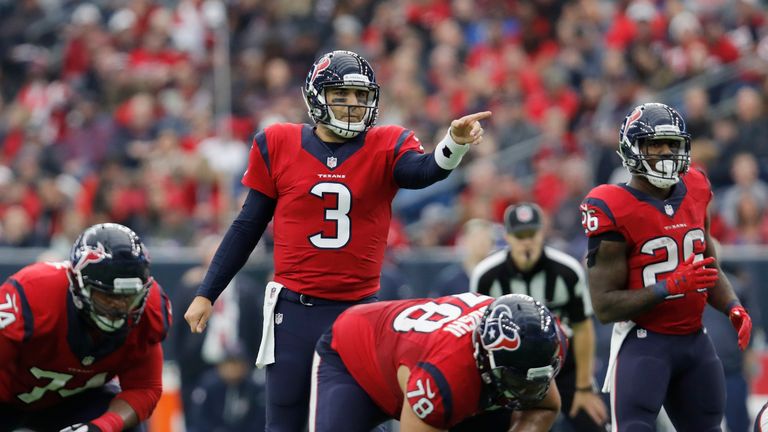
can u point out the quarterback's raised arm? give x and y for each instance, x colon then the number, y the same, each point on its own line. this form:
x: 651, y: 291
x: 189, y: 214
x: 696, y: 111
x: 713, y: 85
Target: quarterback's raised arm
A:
x: 463, y: 132
x: 414, y: 170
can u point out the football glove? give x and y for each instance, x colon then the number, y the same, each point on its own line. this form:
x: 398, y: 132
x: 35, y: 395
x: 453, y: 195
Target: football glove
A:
x: 742, y: 323
x: 691, y: 276
x: 82, y: 427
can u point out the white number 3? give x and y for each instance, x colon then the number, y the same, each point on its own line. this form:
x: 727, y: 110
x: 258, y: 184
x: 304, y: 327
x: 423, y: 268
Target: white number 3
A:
x: 339, y: 214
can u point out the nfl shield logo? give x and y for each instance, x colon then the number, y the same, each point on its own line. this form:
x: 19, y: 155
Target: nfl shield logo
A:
x: 669, y: 210
x: 331, y: 162
x: 278, y: 318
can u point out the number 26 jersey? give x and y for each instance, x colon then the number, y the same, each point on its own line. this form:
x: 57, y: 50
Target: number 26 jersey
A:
x: 660, y: 235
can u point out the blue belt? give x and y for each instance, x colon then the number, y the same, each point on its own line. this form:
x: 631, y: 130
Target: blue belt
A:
x: 293, y: 296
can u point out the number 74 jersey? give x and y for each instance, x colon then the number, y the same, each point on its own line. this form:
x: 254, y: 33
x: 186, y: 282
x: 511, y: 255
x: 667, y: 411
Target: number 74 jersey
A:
x: 333, y: 205
x: 660, y: 235
x: 49, y: 353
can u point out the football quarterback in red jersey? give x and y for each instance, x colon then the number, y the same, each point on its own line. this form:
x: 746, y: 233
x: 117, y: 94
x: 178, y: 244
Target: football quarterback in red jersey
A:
x: 68, y: 328
x: 432, y: 363
x: 652, y: 269
x: 329, y: 188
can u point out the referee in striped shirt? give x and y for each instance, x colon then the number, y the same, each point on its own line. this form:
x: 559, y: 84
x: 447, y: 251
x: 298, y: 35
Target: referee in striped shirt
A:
x: 557, y: 280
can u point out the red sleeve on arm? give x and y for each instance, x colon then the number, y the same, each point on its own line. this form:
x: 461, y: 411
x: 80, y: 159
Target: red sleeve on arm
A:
x: 407, y: 141
x: 597, y: 217
x: 429, y: 396
x: 142, y: 383
x: 258, y: 176
x: 13, y: 329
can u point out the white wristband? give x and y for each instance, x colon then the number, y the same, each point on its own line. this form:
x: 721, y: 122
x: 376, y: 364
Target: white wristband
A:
x: 448, y: 153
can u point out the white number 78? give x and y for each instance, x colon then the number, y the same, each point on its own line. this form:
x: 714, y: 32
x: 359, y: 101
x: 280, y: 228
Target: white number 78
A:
x: 424, y: 405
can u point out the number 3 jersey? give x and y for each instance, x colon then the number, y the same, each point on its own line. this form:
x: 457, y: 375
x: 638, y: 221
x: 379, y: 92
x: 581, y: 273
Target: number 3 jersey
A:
x: 48, y: 352
x: 660, y: 235
x: 333, y: 206
x: 432, y: 338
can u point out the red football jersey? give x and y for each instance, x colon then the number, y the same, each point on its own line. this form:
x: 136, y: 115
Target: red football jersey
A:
x: 44, y: 346
x: 333, y: 208
x: 660, y: 235
x: 432, y: 337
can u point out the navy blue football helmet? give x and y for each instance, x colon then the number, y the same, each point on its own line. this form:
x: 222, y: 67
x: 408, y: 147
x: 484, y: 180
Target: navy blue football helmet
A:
x: 110, y: 276
x: 341, y: 69
x: 519, y: 349
x: 654, y: 121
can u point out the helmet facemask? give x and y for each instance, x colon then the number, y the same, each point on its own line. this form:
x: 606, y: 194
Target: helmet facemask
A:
x: 662, y: 171
x: 518, y: 352
x: 526, y: 387
x: 644, y: 125
x: 514, y: 388
x: 346, y: 128
x: 109, y: 277
x: 341, y: 69
x: 113, y: 307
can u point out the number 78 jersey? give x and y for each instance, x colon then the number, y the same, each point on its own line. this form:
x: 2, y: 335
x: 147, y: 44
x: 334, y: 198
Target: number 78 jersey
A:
x: 432, y: 338
x: 660, y: 235
x: 333, y: 206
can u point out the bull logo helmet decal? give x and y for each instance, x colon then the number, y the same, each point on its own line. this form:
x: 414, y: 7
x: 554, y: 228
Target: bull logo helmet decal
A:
x: 500, y: 331
x: 91, y: 255
x: 633, y: 117
x: 321, y: 66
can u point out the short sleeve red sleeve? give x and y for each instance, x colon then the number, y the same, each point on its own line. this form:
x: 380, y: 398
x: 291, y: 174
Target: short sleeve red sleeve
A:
x: 407, y: 142
x: 596, y: 217
x: 12, y: 307
x: 258, y: 176
x: 429, y: 395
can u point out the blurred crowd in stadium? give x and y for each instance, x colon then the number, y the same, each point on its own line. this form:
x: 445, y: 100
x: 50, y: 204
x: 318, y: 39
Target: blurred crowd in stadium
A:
x: 141, y: 112
x: 108, y: 109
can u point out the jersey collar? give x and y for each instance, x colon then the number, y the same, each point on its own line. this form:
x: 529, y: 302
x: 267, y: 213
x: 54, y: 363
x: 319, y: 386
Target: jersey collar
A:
x: 669, y: 206
x: 332, y: 155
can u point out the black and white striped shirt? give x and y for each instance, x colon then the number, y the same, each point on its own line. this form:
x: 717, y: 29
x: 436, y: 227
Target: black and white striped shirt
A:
x: 557, y: 280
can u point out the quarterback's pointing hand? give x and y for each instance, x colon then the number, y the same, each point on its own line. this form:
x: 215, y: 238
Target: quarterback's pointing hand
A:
x: 467, y: 130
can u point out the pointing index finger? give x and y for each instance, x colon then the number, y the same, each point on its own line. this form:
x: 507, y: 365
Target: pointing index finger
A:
x: 468, y: 119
